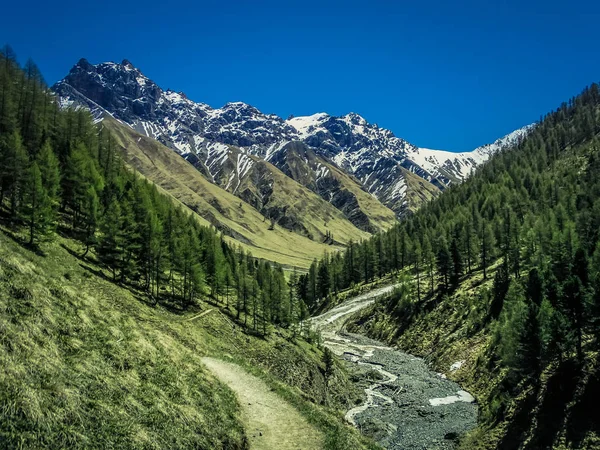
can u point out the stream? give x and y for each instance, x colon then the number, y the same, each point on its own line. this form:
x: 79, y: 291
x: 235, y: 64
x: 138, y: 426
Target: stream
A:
x: 408, y: 405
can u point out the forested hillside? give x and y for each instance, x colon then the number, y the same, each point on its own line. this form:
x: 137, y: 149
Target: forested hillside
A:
x: 239, y: 223
x: 504, y: 284
x: 60, y: 174
x: 111, y: 292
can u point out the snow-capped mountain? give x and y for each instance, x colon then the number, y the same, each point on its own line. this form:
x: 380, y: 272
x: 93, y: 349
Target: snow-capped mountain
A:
x: 221, y: 141
x: 457, y: 166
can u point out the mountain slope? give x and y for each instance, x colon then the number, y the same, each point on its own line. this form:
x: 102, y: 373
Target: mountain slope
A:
x: 301, y: 163
x: 379, y: 159
x: 456, y: 167
x: 86, y: 363
x: 110, y: 295
x: 235, y: 218
x: 505, y: 297
x: 208, y: 137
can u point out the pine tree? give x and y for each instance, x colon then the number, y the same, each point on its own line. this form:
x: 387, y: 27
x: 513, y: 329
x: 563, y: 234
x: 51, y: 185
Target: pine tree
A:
x: 110, y: 245
x: 487, y: 246
x: 500, y: 289
x: 457, y: 264
x: 80, y: 174
x: 156, y: 249
x: 444, y: 262
x: 429, y: 259
x: 313, y: 292
x: 470, y: 243
x: 323, y: 280
x: 328, y: 363
x: 517, y: 333
x: 8, y: 69
x: 90, y: 208
x: 593, y: 304
x: 14, y: 163
x: 50, y: 172
x: 575, y: 292
x: 36, y: 207
x: 534, y: 290
x: 418, y: 263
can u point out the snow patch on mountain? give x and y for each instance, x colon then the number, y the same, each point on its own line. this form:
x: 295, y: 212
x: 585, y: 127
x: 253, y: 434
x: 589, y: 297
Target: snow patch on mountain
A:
x: 211, y: 137
x: 461, y: 165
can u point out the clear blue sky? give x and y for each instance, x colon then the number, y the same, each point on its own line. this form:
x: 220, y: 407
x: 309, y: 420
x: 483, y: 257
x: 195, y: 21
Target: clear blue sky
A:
x: 442, y: 74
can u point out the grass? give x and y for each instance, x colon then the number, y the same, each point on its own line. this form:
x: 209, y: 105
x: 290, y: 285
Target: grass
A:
x: 314, y: 213
x: 419, y: 191
x: 241, y: 222
x: 86, y: 363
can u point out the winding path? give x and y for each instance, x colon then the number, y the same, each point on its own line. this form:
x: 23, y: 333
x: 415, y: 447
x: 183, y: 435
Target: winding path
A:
x: 271, y: 423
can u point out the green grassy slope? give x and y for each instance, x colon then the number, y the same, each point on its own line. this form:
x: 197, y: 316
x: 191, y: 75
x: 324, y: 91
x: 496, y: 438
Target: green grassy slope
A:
x: 86, y: 363
x: 226, y: 212
x: 314, y: 215
x: 286, y: 200
x: 303, y: 165
x: 419, y: 191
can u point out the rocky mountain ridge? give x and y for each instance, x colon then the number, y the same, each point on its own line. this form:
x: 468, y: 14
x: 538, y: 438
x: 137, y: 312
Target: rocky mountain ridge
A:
x: 224, y: 143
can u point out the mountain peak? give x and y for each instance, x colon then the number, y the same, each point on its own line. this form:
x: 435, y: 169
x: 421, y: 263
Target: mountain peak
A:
x: 82, y: 64
x: 355, y: 118
x: 373, y: 155
x: 127, y: 64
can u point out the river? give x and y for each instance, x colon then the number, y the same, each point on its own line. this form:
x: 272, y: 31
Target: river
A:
x: 408, y: 405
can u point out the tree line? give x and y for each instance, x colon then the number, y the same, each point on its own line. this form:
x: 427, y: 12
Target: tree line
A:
x: 61, y: 173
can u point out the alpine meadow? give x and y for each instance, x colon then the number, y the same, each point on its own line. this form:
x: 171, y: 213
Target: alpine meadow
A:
x: 180, y: 275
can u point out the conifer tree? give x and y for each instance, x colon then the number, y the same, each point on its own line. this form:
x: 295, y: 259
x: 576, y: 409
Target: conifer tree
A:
x: 470, y: 244
x: 13, y: 170
x: 444, y: 262
x: 593, y: 304
x: 323, y: 280
x: 457, y: 263
x: 80, y: 174
x: 487, y: 246
x: 429, y: 260
x: 418, y: 263
x: 500, y: 289
x: 312, y: 294
x: 110, y: 245
x: 518, y: 333
x: 36, y: 207
x: 90, y: 208
x: 50, y: 172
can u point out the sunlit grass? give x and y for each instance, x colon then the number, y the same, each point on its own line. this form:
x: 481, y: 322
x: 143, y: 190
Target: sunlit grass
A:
x: 86, y: 363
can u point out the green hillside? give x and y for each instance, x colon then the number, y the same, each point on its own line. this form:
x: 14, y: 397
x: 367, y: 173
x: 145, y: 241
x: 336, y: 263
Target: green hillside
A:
x: 302, y: 164
x: 235, y: 218
x: 501, y: 286
x: 111, y: 293
x: 87, y: 363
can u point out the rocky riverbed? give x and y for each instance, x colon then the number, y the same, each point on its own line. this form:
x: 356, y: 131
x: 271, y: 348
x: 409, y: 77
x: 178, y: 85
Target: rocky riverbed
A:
x: 407, y: 405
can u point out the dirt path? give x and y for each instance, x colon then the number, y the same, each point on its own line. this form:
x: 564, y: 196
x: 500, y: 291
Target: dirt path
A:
x: 271, y: 423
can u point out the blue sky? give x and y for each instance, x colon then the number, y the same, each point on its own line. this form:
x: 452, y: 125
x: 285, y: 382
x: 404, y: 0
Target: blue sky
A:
x: 441, y: 74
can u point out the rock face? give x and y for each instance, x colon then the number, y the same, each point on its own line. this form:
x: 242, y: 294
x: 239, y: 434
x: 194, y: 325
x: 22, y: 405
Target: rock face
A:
x: 301, y: 163
x: 222, y: 142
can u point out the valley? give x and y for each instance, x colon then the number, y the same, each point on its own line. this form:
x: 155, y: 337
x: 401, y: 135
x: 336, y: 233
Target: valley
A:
x: 178, y: 275
x: 408, y: 405
x: 326, y: 179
